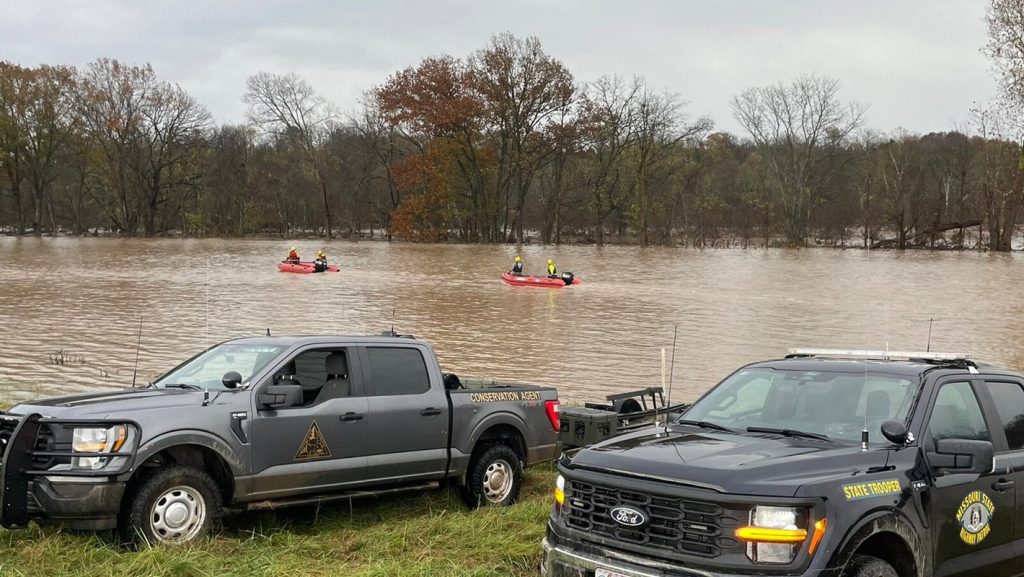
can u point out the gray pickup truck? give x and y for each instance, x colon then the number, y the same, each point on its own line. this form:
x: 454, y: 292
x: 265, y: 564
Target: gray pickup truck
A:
x: 268, y: 422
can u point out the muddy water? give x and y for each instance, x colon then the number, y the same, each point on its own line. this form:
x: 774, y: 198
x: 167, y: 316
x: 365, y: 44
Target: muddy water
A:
x: 70, y: 308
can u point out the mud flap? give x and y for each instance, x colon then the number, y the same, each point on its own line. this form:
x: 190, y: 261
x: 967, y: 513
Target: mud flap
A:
x: 13, y: 479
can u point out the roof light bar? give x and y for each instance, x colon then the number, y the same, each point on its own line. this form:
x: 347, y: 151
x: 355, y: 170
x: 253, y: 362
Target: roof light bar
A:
x: 882, y: 355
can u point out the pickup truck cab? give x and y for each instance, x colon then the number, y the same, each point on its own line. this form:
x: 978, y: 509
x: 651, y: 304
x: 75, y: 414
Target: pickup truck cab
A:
x: 268, y: 422
x: 830, y: 463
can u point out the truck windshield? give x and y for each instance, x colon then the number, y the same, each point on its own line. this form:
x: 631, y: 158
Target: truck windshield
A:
x: 207, y: 370
x: 836, y: 405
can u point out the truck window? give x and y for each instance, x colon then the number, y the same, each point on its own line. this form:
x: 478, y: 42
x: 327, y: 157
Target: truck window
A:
x: 397, y: 371
x: 322, y: 374
x: 208, y: 368
x: 957, y: 414
x: 1009, y: 401
x: 837, y: 405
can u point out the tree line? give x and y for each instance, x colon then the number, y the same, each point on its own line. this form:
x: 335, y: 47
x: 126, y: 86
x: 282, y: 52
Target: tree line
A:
x: 503, y: 145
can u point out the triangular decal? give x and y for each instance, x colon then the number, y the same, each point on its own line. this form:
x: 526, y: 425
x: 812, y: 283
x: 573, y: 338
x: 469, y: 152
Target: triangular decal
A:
x: 314, y: 446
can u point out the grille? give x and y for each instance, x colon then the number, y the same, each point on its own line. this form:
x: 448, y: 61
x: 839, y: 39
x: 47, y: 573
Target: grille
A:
x: 676, y: 525
x: 45, y: 441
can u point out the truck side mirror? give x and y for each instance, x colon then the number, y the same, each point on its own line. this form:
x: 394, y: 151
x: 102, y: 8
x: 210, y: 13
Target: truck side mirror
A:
x: 962, y: 456
x: 280, y: 396
x: 896, y: 432
x: 231, y: 379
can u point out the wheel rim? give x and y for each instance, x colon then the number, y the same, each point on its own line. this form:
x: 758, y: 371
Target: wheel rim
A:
x: 498, y: 481
x: 178, y: 515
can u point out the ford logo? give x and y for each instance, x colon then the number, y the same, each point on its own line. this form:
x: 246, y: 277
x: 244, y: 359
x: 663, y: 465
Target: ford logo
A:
x: 628, y: 516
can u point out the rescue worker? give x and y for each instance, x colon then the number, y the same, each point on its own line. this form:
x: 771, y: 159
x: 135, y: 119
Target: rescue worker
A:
x: 517, y: 266
x: 293, y: 256
x: 552, y: 271
x: 320, y: 263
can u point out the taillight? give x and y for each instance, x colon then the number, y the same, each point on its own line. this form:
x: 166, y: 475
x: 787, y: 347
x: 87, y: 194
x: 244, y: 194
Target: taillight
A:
x: 551, y: 407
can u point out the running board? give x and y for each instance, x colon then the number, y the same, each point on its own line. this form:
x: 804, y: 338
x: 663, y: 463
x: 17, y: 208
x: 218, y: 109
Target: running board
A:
x: 270, y: 505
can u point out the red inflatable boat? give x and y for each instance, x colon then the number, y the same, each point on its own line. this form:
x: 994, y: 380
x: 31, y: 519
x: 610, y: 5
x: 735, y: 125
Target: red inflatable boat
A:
x: 303, y: 267
x: 540, y: 281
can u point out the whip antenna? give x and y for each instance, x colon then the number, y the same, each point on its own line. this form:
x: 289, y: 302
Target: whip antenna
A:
x: 864, y: 435
x: 138, y: 345
x: 671, y: 372
x: 929, y: 348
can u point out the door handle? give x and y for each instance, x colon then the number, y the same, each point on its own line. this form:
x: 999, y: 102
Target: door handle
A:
x: 430, y: 412
x: 350, y: 416
x: 1002, y: 485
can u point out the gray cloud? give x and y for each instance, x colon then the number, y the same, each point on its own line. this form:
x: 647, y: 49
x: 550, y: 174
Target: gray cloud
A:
x: 916, y: 63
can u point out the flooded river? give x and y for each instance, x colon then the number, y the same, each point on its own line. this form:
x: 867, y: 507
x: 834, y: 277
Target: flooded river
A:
x: 70, y: 308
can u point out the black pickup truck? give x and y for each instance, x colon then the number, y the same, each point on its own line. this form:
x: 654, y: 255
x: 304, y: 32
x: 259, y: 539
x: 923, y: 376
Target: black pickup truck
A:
x: 269, y: 422
x: 825, y: 463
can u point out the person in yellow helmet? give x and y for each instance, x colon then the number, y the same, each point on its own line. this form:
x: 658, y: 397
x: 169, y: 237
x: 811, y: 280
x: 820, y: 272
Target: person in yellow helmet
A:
x: 320, y: 263
x: 293, y: 256
x: 517, y: 266
x: 552, y: 271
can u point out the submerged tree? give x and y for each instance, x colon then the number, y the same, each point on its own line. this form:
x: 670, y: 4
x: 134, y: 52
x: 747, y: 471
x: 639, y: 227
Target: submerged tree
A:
x: 286, y: 106
x: 800, y: 129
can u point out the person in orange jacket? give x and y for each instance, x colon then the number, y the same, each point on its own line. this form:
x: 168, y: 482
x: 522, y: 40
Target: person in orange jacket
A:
x: 293, y: 256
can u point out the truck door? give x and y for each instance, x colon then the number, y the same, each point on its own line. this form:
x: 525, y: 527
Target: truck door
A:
x: 1007, y: 396
x: 972, y: 517
x: 408, y: 435
x: 320, y: 444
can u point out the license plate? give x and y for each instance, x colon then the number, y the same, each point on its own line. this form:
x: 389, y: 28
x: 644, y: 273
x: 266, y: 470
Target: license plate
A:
x: 599, y: 572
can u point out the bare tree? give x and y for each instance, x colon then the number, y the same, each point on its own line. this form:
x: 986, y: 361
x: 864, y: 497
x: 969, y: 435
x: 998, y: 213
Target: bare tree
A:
x: 14, y: 106
x: 45, y: 127
x: 148, y: 133
x: 609, y: 130
x: 110, y: 104
x: 1005, y: 47
x: 524, y: 90
x: 660, y: 127
x: 287, y: 106
x: 799, y: 128
x: 1001, y: 190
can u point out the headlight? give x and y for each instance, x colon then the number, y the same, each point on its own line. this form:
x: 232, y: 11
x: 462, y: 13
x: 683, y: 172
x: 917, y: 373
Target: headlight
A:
x: 96, y: 440
x: 774, y: 534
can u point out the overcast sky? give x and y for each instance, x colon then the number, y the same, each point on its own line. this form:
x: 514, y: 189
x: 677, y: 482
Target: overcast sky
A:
x: 917, y: 64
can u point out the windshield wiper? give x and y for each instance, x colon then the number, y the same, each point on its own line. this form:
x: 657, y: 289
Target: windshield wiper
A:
x: 704, y: 425
x: 186, y: 386
x: 788, y: 433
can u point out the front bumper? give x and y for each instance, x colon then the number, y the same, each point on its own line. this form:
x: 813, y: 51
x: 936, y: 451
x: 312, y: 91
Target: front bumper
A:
x: 562, y: 561
x: 78, y: 503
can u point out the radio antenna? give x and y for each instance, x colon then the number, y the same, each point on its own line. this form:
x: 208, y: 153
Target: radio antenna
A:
x: 929, y: 348
x: 138, y: 346
x: 394, y: 305
x: 864, y: 435
x: 671, y: 373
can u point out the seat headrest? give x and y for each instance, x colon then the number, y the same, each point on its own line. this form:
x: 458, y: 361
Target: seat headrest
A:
x: 336, y: 364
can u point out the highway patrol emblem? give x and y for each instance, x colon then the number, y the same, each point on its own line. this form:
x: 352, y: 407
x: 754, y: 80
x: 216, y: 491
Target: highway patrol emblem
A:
x: 974, y: 516
x: 314, y: 446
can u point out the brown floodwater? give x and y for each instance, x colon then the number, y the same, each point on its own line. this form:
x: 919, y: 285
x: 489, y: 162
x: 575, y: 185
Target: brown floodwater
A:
x: 70, y: 308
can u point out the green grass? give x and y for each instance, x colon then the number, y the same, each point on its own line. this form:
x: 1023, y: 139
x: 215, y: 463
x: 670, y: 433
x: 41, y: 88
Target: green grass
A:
x: 424, y: 534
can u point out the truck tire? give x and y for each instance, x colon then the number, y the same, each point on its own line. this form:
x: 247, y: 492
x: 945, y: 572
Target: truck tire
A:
x: 867, y: 566
x: 173, y: 506
x: 494, y: 477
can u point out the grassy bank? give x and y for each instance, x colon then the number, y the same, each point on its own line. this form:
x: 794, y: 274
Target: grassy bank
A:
x: 425, y: 534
